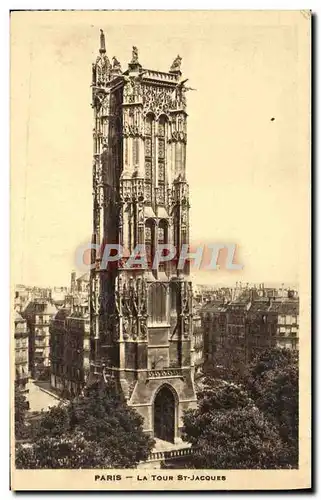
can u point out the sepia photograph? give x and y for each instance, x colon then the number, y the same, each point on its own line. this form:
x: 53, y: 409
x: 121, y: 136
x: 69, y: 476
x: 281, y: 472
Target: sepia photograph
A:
x: 160, y: 258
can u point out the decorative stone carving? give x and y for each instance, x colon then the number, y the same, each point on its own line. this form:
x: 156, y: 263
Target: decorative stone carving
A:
x: 132, y: 123
x: 161, y: 129
x: 158, y: 99
x: 134, y: 56
x: 186, y: 326
x: 130, y: 130
x: 161, y: 149
x: 141, y: 215
x: 148, y: 192
x: 125, y: 327
x: 166, y: 372
x: 134, y: 309
x: 184, y: 220
x: 148, y: 147
x: 148, y: 169
x: 186, y: 308
x: 105, y: 104
x: 160, y: 194
x: 102, y: 70
x: 125, y: 190
x: 161, y: 171
x: 98, y: 98
x: 176, y: 64
x: 100, y: 197
x: 178, y: 136
x: 116, y: 65
x: 138, y: 189
x: 132, y: 90
x: 143, y: 327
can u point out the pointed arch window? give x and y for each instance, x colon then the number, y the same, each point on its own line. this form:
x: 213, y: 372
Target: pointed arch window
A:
x: 149, y: 147
x: 163, y: 240
x: 150, y: 241
x: 161, y: 157
x: 157, y: 304
x: 178, y: 158
x: 136, y: 151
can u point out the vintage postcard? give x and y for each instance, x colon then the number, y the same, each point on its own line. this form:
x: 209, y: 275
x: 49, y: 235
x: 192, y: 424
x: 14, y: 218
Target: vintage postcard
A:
x: 160, y: 229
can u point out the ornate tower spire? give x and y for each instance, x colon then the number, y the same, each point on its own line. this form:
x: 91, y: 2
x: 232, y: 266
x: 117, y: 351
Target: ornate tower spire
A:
x: 141, y: 318
x: 101, y: 69
x: 102, y: 49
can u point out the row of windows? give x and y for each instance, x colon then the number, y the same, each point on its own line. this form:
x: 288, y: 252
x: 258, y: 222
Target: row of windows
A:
x: 155, y: 235
x: 43, y: 319
x: 150, y: 175
x: 150, y: 149
x: 67, y: 370
x: 288, y: 319
x: 21, y: 343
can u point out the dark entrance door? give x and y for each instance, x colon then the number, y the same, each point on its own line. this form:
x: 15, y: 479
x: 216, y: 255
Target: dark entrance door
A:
x: 164, y: 415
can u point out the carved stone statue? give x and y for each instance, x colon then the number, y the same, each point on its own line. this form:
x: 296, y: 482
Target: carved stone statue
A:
x: 116, y: 64
x: 125, y: 327
x: 176, y: 65
x: 143, y: 327
x: 134, y: 55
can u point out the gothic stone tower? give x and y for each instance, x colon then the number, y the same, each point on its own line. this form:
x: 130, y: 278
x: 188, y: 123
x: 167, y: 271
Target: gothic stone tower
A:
x: 141, y: 319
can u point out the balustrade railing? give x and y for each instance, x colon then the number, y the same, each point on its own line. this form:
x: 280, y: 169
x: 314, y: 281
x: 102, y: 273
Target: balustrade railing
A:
x: 165, y: 372
x: 164, y: 455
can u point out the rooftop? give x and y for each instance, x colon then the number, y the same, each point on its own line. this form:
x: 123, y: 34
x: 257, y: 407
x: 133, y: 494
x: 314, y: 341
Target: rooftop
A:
x: 84, y: 277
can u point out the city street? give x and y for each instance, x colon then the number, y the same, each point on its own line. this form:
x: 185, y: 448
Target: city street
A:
x: 40, y: 396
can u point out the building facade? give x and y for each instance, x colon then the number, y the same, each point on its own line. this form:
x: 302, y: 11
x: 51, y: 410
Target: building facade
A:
x: 286, y: 322
x: 38, y: 315
x: 142, y: 318
x: 214, y: 327
x: 237, y: 331
x: 21, y: 352
x: 69, y: 350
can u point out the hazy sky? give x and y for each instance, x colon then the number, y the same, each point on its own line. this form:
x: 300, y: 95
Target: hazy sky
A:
x: 243, y: 168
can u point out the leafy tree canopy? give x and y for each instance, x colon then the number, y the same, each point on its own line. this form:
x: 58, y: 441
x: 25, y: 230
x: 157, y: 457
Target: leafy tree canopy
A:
x: 273, y: 382
x: 101, y: 421
x: 64, y: 452
x: 228, y: 431
x: 21, y: 407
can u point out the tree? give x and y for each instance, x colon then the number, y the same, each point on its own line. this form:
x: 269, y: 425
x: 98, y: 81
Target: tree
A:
x: 99, y: 424
x: 55, y: 422
x: 227, y: 431
x: 21, y: 407
x: 228, y: 362
x: 64, y: 452
x: 273, y: 382
x: 105, y: 418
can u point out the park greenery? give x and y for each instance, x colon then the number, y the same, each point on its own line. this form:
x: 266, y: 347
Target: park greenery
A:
x: 95, y: 430
x: 249, y: 423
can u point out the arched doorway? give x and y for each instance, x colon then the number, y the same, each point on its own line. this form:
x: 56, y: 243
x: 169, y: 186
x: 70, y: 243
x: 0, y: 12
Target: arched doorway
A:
x: 164, y: 415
